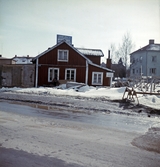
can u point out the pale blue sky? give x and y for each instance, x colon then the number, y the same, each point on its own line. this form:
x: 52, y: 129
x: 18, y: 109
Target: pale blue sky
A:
x: 28, y: 27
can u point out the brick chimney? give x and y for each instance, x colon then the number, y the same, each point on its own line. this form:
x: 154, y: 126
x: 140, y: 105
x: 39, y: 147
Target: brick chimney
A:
x: 151, y: 41
x: 108, y: 63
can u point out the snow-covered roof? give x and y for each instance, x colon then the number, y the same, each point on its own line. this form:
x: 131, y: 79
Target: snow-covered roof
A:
x: 23, y: 60
x: 150, y: 47
x: 91, y: 52
x: 155, y: 47
x: 4, y: 58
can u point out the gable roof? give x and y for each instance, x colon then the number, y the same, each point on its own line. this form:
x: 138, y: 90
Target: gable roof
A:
x: 150, y: 47
x: 91, y: 52
x: 53, y: 47
x: 75, y: 49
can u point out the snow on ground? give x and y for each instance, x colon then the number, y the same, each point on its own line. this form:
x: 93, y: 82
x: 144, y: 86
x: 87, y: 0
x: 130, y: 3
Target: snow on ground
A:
x: 107, y: 93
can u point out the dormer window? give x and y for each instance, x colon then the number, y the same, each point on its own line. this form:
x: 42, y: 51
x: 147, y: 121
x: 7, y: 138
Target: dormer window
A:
x: 63, y: 55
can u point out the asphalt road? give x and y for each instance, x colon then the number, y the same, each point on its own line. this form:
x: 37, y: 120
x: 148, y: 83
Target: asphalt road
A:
x: 39, y: 135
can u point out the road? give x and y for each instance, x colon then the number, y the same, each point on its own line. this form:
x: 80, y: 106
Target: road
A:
x: 45, y: 136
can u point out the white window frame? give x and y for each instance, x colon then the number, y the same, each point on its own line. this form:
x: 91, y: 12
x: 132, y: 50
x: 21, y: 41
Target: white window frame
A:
x: 63, y: 58
x: 97, y: 73
x: 70, y: 69
x: 50, y: 79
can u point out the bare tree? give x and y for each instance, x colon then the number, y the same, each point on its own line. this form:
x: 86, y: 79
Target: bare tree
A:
x: 125, y: 48
x: 123, y: 51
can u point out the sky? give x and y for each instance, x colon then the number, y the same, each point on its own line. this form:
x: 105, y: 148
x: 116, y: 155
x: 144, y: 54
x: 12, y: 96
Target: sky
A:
x: 29, y: 27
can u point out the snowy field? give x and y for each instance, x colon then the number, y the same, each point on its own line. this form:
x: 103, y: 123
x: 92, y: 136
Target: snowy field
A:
x: 64, y: 128
x: 88, y: 92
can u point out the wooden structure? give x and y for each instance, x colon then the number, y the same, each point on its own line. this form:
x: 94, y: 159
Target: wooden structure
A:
x: 14, y: 75
x: 4, y: 60
x: 67, y: 63
x: 131, y: 94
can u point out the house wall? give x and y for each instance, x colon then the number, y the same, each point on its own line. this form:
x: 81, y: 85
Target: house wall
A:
x: 143, y: 61
x: 17, y: 75
x: 106, y: 80
x: 51, y: 57
x: 138, y: 60
x: 95, y: 59
x: 49, y: 60
x: 43, y: 74
x: 75, y: 61
x: 152, y: 64
x: 6, y: 61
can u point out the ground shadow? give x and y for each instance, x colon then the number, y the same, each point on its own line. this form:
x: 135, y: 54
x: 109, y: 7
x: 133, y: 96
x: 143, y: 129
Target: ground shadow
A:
x: 13, y: 158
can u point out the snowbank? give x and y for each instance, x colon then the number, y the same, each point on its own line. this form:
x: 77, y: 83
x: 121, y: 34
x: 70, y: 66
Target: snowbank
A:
x: 88, y: 92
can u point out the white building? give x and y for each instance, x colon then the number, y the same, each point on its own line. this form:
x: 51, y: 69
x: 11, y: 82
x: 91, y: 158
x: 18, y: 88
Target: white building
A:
x: 146, y: 61
x: 23, y: 59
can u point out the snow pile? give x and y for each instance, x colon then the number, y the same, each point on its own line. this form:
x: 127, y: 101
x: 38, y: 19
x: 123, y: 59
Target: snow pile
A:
x: 152, y: 101
x: 87, y: 92
x: 149, y: 141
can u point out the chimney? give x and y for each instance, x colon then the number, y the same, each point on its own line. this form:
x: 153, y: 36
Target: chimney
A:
x: 108, y: 63
x: 15, y: 55
x: 151, y: 41
x: 27, y: 55
x: 0, y: 55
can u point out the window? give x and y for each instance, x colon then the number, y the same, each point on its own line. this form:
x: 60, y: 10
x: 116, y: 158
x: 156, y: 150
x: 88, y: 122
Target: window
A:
x: 137, y: 70
x: 133, y: 61
x: 52, y: 74
x: 63, y: 55
x: 152, y: 70
x: 133, y: 71
x: 154, y: 58
x: 70, y: 74
x: 97, y: 78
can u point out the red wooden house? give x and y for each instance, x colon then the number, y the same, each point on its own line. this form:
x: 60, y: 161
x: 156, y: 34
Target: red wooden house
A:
x: 67, y: 63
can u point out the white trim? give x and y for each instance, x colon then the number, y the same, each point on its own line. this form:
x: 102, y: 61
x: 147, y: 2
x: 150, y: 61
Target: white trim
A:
x: 53, y: 47
x: 86, y: 81
x: 62, y: 50
x: 70, y: 70
x: 96, y: 65
x: 109, y: 74
x: 97, y: 78
x: 51, y: 68
x: 36, y: 81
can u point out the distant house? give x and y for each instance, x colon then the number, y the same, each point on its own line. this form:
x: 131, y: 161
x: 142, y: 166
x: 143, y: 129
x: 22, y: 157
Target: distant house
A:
x: 67, y: 63
x: 146, y: 61
x: 119, y: 69
x: 22, y: 59
x: 4, y: 60
x: 12, y: 74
